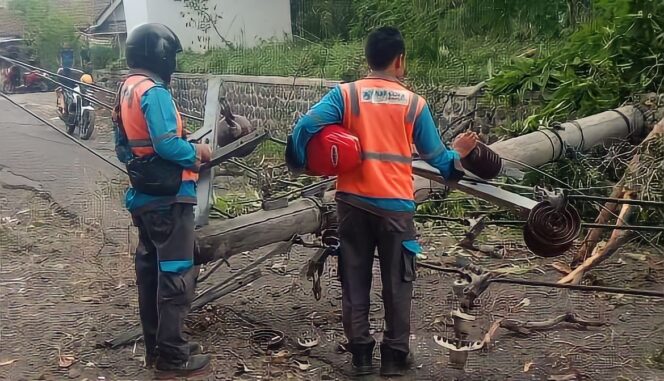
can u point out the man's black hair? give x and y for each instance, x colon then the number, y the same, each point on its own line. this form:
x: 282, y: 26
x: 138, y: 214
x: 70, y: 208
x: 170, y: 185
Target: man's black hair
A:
x: 383, y: 46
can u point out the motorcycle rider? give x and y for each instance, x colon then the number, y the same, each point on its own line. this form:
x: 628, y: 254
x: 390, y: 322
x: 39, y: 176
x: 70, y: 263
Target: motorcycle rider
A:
x: 150, y: 140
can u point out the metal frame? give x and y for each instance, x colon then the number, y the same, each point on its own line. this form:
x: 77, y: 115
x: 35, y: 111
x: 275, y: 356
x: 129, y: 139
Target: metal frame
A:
x: 208, y: 134
x: 520, y: 204
x: 204, y: 189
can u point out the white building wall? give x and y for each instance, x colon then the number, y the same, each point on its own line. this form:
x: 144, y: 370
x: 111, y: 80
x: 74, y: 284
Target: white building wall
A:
x: 244, y: 22
x: 136, y: 12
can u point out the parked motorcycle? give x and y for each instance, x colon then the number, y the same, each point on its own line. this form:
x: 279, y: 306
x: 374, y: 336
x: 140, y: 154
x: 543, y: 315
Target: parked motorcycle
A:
x: 33, y: 81
x: 75, y: 110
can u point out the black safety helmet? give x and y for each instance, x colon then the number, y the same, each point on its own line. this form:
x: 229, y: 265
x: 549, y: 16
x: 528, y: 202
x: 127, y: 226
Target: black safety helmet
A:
x: 153, y: 47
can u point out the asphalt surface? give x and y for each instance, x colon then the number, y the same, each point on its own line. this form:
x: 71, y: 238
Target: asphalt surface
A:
x: 44, y: 156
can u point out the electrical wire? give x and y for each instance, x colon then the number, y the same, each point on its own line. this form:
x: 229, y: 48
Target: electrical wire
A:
x: 571, y: 188
x: 535, y: 283
x: 73, y: 139
x: 31, y: 67
x: 466, y: 222
x: 92, y: 86
x: 657, y: 204
x: 580, y: 196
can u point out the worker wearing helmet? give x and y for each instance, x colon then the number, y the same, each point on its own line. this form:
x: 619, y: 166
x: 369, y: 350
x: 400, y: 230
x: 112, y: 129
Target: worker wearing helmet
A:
x: 375, y: 200
x: 87, y: 79
x: 162, y: 167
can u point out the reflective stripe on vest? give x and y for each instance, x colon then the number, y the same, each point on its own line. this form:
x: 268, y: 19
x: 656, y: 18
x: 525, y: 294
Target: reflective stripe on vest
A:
x: 382, y: 114
x: 134, y: 123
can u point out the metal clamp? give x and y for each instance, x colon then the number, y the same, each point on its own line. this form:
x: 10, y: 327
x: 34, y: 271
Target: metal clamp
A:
x: 476, y: 226
x: 273, y: 204
x: 556, y: 197
x: 316, y: 191
x: 316, y: 263
x: 472, y: 282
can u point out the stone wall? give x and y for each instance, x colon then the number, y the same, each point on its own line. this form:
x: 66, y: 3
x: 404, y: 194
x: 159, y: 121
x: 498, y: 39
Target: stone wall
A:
x: 189, y: 90
x: 271, y: 102
x: 276, y: 102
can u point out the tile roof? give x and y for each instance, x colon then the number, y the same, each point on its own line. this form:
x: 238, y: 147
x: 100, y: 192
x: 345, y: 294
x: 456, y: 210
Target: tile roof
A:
x: 84, y: 13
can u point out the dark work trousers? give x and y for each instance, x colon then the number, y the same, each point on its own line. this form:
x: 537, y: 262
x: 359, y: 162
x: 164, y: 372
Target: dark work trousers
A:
x: 164, y: 298
x: 361, y: 233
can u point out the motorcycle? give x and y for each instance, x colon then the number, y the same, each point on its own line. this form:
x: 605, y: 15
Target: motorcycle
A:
x: 76, y: 111
x: 32, y: 81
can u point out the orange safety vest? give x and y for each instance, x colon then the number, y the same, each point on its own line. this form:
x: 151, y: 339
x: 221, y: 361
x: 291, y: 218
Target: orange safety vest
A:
x: 381, y: 112
x: 134, y: 123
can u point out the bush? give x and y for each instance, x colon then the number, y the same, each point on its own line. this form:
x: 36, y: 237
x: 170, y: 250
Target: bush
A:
x: 102, y: 56
x: 47, y: 29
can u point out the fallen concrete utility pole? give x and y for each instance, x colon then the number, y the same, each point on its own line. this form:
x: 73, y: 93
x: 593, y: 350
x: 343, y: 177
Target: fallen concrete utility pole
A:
x: 549, y: 145
x: 221, y: 239
x: 225, y: 238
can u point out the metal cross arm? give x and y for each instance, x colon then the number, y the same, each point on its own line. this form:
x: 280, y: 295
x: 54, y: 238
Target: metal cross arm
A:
x: 199, y: 134
x: 488, y: 192
x: 228, y: 151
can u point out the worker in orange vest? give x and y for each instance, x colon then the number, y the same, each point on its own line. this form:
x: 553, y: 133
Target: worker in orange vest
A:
x: 162, y: 167
x: 375, y: 200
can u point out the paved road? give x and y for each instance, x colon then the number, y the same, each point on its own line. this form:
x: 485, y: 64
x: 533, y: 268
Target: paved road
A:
x: 36, y: 152
x: 65, y: 268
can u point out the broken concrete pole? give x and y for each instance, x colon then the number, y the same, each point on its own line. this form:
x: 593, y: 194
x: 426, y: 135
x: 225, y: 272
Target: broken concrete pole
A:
x: 549, y: 145
x: 225, y: 238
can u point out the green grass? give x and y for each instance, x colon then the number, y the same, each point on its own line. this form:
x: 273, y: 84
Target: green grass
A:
x: 468, y: 62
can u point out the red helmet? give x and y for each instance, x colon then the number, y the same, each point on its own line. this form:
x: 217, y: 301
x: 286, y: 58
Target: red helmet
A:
x: 333, y: 151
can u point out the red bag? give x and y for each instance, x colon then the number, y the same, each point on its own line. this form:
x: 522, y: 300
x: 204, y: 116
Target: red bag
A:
x: 333, y: 151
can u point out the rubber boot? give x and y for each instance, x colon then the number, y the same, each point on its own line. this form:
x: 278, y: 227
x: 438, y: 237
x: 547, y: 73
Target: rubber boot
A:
x: 362, y: 361
x: 197, y: 365
x: 395, y: 363
x: 194, y: 349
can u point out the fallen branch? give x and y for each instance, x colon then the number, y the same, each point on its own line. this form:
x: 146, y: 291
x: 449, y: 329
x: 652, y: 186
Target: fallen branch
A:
x: 618, y: 238
x: 594, y: 235
x: 583, y: 260
x: 526, y: 328
x: 565, y: 377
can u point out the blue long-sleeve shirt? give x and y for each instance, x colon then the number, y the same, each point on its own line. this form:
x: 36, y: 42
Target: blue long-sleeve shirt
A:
x: 330, y: 110
x: 160, y: 114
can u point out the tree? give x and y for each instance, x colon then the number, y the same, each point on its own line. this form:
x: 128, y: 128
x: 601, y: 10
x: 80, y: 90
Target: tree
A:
x: 201, y: 16
x: 47, y: 29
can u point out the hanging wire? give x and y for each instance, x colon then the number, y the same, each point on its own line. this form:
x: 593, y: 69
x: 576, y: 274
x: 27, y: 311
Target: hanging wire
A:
x: 92, y: 86
x: 600, y: 205
x: 580, y: 195
x: 536, y: 283
x: 73, y: 139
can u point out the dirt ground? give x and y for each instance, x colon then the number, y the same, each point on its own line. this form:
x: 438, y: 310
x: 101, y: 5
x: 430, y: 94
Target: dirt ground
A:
x: 68, y: 286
